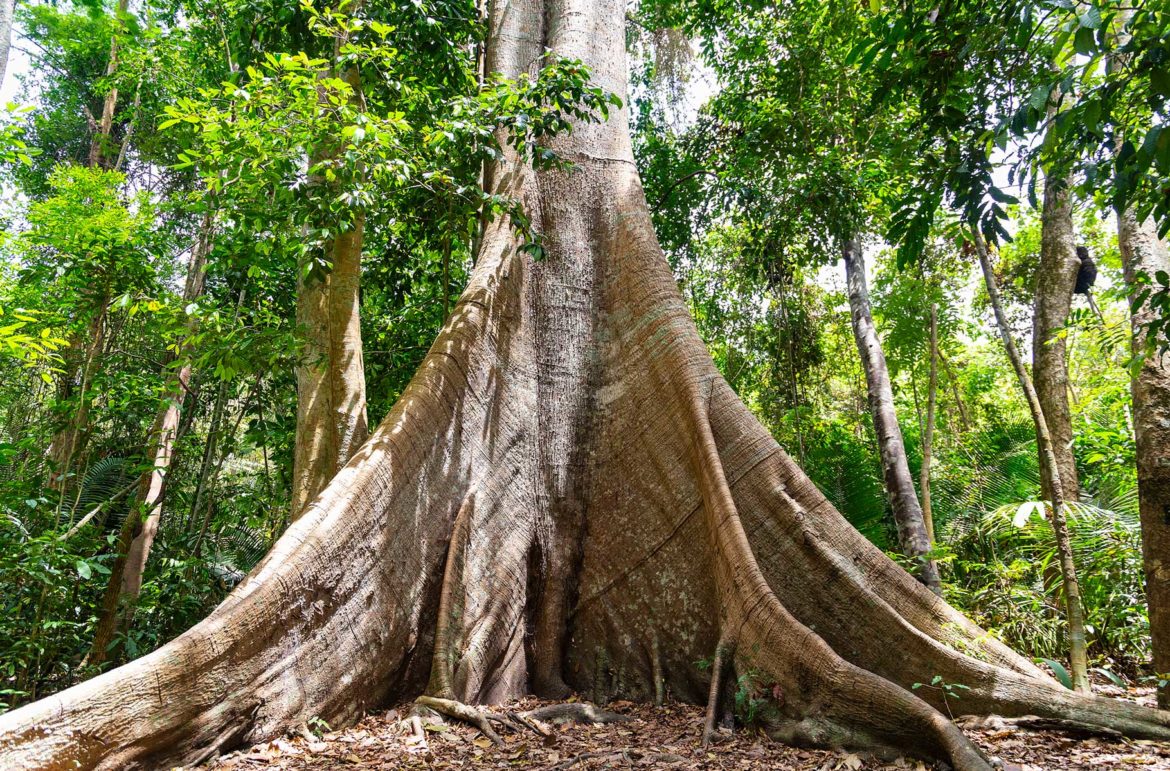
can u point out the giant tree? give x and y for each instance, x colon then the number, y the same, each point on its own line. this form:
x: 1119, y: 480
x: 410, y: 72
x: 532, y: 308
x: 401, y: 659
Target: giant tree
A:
x: 566, y: 495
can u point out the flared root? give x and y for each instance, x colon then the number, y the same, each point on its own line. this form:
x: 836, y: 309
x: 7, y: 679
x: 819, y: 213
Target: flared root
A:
x: 567, y: 495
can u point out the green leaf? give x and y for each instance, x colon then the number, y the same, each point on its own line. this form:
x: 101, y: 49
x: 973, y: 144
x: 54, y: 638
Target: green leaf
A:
x: 1083, y: 42
x: 83, y: 569
x: 1058, y: 669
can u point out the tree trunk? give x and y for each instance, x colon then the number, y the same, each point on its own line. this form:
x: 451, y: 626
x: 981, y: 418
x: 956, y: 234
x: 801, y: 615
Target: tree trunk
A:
x: 141, y: 527
x: 331, y: 384
x: 1078, y: 660
x: 928, y: 431
x: 913, y: 535
x: 1056, y: 275
x: 99, y: 146
x: 69, y: 441
x: 562, y: 391
x: 1143, y: 254
x: 7, y: 9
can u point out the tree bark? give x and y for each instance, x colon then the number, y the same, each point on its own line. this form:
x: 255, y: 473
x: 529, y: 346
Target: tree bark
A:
x: 331, y: 385
x: 913, y: 537
x: 1143, y: 254
x: 69, y: 440
x: 99, y: 145
x: 1078, y: 659
x: 572, y: 389
x: 1056, y: 275
x: 928, y: 431
x: 7, y: 10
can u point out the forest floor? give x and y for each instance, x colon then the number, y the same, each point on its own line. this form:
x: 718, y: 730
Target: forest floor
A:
x: 658, y: 737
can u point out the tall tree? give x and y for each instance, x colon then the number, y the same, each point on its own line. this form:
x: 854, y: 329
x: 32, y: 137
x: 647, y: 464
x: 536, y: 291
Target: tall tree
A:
x: 88, y: 346
x: 913, y: 536
x: 929, y: 423
x: 564, y: 391
x: 1143, y: 256
x: 1056, y: 276
x: 331, y: 382
x: 1074, y: 609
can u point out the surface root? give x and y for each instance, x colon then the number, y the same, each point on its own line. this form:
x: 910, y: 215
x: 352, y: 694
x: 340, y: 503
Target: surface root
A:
x: 1077, y: 728
x: 460, y: 711
x: 718, y: 668
x: 577, y: 712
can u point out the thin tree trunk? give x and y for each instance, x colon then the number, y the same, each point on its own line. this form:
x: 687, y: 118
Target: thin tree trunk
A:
x: 1056, y: 276
x: 1078, y: 659
x: 213, y: 481
x: 331, y: 385
x: 1143, y: 254
x: 65, y: 446
x: 99, y: 146
x: 7, y: 10
x: 964, y: 419
x: 913, y: 536
x: 152, y: 484
x: 928, y: 432
x: 69, y: 441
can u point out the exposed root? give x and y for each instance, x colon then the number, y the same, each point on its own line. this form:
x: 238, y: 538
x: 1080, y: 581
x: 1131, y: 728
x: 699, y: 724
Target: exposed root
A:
x: 441, y: 664
x: 577, y: 712
x: 852, y: 707
x: 1075, y: 728
x: 461, y: 711
x: 656, y: 672
x: 623, y: 754
x: 723, y: 652
x: 418, y: 732
x: 531, y: 725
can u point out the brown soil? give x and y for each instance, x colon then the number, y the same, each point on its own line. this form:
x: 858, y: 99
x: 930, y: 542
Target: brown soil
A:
x: 659, y: 737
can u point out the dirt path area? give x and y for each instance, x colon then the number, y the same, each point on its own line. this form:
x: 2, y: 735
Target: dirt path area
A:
x: 657, y: 737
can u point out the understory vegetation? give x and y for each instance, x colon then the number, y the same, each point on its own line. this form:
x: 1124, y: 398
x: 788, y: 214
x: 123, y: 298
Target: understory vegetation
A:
x: 153, y: 146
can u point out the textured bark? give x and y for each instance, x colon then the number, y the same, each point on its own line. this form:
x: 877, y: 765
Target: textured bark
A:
x: 1074, y: 610
x: 574, y: 390
x: 331, y: 382
x: 125, y: 581
x: 913, y: 537
x: 1143, y: 254
x: 7, y: 8
x: 1056, y: 276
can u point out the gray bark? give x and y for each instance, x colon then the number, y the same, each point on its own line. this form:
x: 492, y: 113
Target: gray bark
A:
x: 913, y: 536
x: 1056, y: 276
x: 7, y: 9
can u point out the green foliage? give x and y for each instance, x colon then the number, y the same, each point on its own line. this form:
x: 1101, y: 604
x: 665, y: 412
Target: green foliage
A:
x: 949, y: 691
